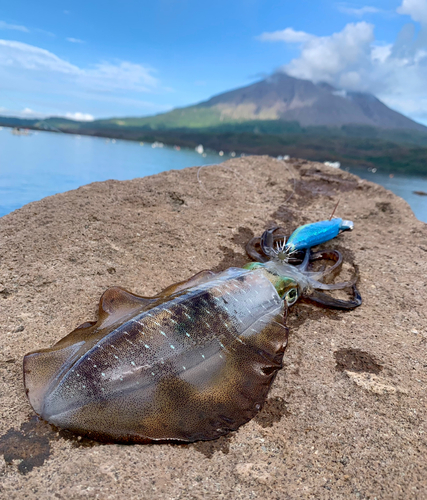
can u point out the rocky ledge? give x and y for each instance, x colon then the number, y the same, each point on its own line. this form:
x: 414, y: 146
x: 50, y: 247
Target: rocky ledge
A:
x: 346, y: 417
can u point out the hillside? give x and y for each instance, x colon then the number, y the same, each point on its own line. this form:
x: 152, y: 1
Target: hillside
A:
x: 276, y: 116
x: 280, y: 98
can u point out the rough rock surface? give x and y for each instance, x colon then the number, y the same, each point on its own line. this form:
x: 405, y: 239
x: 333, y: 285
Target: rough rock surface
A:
x: 346, y: 417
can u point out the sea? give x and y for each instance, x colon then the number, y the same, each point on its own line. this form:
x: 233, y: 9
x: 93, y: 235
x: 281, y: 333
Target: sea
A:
x: 41, y: 164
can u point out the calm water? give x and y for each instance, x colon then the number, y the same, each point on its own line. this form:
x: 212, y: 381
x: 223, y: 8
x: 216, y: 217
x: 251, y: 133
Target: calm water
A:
x: 403, y: 186
x: 43, y: 163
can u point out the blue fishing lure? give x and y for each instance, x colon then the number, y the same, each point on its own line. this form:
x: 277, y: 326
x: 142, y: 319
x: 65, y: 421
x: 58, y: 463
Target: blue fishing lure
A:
x: 311, y: 235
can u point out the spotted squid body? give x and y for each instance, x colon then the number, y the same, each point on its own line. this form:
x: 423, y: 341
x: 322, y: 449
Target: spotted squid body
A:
x: 191, y: 363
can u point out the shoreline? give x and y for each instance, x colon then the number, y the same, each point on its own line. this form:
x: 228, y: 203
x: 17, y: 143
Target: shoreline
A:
x: 399, y: 160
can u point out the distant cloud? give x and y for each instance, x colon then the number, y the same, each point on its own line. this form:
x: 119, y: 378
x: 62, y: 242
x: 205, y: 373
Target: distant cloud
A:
x: 16, y: 57
x: 121, y: 75
x: 74, y: 40
x: 335, y: 58
x: 28, y: 57
x: 352, y: 59
x: 380, y: 53
x: 28, y: 112
x: 16, y: 27
x: 53, y: 83
x: 288, y: 35
x: 81, y: 117
x: 358, y: 12
x: 24, y: 29
x: 44, y: 32
x: 417, y: 9
x: 23, y: 113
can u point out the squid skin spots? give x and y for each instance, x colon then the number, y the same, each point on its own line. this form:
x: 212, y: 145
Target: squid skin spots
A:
x: 195, y: 361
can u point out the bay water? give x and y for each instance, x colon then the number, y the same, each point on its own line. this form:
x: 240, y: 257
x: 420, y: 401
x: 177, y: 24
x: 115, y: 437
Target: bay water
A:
x: 44, y: 163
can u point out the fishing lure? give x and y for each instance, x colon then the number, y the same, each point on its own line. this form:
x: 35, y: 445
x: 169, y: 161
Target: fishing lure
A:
x: 304, y: 237
x: 191, y: 363
x: 311, y: 235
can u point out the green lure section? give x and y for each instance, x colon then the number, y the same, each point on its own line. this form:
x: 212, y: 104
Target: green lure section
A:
x: 282, y: 283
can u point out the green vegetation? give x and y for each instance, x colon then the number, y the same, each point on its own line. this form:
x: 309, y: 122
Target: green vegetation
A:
x: 402, y: 151
x: 193, y: 117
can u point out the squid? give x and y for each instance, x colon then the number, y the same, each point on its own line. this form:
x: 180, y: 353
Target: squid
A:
x: 193, y: 362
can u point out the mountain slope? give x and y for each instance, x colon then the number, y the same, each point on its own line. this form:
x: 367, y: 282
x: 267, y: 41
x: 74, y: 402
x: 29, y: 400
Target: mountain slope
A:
x: 279, y: 98
x: 283, y: 98
x: 277, y: 116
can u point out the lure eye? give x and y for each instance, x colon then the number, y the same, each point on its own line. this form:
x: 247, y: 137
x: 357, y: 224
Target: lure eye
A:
x: 291, y: 297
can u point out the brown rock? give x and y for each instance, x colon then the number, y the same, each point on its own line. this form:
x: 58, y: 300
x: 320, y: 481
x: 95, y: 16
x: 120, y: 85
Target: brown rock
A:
x: 346, y: 417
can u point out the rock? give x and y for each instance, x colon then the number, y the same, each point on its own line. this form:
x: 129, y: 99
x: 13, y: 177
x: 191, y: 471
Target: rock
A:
x: 374, y: 383
x: 346, y: 417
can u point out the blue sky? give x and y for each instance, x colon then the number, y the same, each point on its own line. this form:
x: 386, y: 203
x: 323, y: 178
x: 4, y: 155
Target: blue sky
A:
x: 133, y: 58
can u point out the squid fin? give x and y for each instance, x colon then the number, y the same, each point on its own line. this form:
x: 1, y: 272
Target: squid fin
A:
x: 195, y: 280
x: 116, y: 303
x: 44, y: 367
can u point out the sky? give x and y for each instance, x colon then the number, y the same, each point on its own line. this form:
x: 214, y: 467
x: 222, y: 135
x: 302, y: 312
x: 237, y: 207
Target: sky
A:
x: 98, y: 59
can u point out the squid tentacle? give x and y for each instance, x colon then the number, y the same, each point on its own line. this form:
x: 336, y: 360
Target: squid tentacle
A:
x: 252, y: 250
x: 317, y: 285
x: 333, y: 255
x: 328, y: 301
x: 298, y: 264
x: 316, y: 276
x: 267, y: 242
x: 304, y: 265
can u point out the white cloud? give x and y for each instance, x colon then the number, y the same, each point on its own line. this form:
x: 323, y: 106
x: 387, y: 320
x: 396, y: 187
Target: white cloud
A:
x: 353, y: 60
x: 18, y: 57
x: 80, y: 117
x: 358, y: 12
x: 288, y: 35
x: 28, y: 112
x: 23, y: 113
x: 74, y: 40
x: 21, y: 55
x: 45, y: 81
x: 417, y: 9
x: 381, y: 53
x: 16, y: 27
x: 120, y: 76
x: 339, y: 55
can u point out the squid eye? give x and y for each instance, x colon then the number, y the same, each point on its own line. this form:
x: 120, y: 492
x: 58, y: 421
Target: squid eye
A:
x: 291, y: 297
